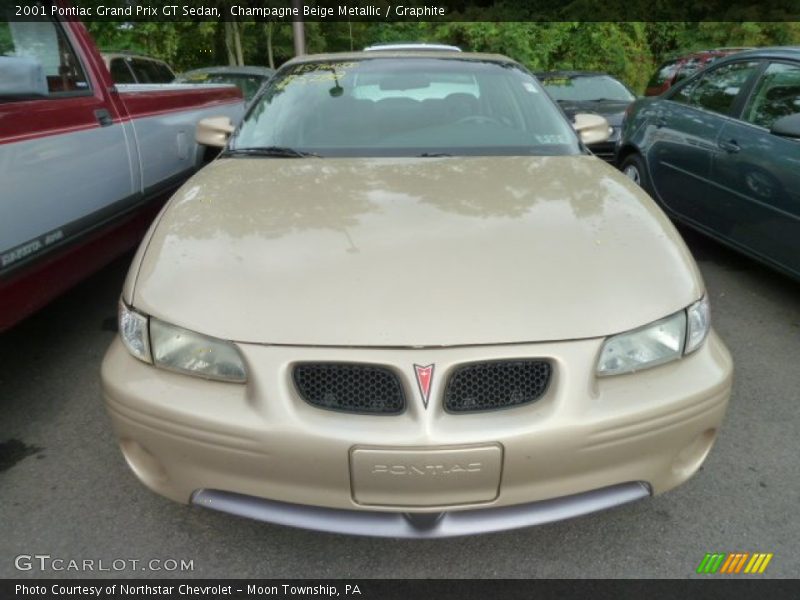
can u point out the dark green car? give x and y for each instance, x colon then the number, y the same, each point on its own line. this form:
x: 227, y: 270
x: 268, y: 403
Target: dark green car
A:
x: 721, y: 153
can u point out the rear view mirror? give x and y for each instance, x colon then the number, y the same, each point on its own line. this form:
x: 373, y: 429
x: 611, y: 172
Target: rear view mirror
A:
x: 592, y: 128
x: 214, y: 131
x: 22, y: 77
x: 787, y: 126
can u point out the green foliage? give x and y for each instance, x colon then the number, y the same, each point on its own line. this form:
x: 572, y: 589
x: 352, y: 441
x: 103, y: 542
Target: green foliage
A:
x: 6, y: 43
x: 712, y: 35
x: 628, y: 50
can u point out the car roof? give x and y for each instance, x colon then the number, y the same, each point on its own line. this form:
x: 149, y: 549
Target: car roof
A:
x: 232, y: 70
x: 384, y: 54
x: 702, y: 54
x: 569, y: 74
x: 790, y: 52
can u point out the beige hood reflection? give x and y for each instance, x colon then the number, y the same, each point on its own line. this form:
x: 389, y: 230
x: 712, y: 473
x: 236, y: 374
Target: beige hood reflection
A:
x: 413, y: 252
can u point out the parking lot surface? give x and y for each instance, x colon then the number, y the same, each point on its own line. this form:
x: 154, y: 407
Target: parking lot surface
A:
x: 65, y: 490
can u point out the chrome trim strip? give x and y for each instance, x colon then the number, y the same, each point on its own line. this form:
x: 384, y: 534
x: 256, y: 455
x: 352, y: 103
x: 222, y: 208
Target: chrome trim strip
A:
x: 401, y: 525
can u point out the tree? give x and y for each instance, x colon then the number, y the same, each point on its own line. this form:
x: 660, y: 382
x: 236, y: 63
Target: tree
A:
x: 628, y: 50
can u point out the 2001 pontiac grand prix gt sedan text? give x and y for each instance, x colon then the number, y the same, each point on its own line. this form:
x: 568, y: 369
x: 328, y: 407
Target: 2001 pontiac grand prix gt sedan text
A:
x: 406, y: 301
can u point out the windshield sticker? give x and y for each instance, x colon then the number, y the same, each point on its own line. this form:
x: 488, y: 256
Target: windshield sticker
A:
x: 543, y: 138
x: 316, y: 73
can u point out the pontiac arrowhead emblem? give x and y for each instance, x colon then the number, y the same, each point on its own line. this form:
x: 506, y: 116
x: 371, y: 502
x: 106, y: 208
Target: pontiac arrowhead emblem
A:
x: 424, y: 379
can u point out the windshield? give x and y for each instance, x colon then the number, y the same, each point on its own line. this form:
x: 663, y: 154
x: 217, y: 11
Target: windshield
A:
x: 586, y: 88
x: 406, y: 107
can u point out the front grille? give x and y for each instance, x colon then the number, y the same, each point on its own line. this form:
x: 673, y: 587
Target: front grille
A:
x: 497, y: 384
x: 353, y: 388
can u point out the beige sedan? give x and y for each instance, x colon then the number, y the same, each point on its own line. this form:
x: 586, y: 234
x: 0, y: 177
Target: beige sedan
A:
x: 406, y: 301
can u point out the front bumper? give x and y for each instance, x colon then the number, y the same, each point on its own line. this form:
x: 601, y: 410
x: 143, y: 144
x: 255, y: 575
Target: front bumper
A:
x: 261, y: 451
x: 414, y: 525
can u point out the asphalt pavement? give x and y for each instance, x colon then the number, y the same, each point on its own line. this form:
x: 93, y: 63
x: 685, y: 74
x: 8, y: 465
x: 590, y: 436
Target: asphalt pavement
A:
x: 66, y: 492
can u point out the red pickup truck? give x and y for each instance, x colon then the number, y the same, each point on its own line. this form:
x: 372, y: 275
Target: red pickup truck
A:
x: 84, y: 164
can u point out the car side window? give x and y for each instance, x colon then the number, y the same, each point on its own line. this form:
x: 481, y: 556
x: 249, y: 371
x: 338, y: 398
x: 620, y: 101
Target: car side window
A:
x: 689, y: 68
x: 683, y: 95
x: 776, y: 95
x: 46, y: 43
x: 163, y: 73
x: 140, y: 70
x: 717, y: 90
x: 665, y: 73
x: 120, y: 72
x: 150, y: 71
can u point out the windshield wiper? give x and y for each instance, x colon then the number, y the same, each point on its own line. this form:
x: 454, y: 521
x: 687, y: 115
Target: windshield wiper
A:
x: 274, y: 151
x: 433, y: 154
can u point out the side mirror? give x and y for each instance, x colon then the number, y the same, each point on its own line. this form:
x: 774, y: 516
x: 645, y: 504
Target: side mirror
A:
x: 787, y: 126
x: 591, y: 128
x: 214, y: 131
x: 22, y: 77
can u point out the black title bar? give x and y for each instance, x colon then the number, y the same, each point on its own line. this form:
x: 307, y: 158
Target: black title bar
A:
x: 708, y: 588
x: 405, y: 10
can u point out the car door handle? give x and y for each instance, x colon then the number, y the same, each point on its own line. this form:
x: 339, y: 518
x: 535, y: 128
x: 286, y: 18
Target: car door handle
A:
x: 730, y: 146
x: 660, y: 122
x: 103, y: 117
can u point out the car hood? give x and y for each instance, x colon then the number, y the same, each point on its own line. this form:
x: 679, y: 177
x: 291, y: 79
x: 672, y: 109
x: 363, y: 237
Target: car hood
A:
x: 412, y: 252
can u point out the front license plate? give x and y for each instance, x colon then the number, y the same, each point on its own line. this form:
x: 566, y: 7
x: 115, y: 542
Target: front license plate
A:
x: 426, y: 477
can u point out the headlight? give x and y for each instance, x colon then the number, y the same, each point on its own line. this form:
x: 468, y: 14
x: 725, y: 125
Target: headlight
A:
x: 133, y: 331
x: 188, y: 352
x: 176, y: 349
x: 655, y: 344
x: 649, y: 346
